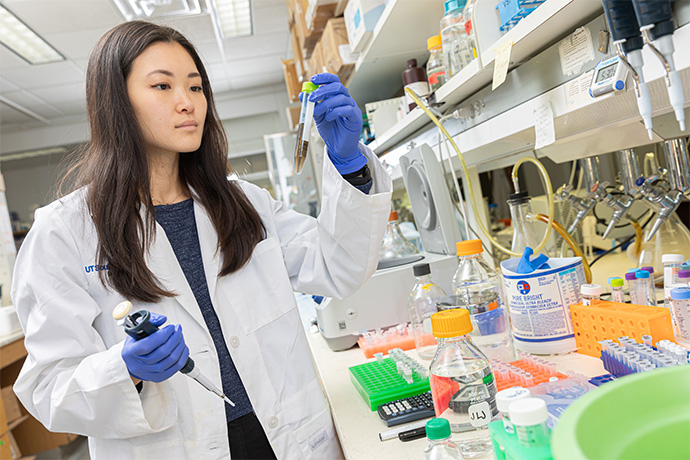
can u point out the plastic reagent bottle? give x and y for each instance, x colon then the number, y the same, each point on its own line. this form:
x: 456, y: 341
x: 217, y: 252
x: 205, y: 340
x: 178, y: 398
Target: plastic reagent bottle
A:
x: 469, y: 27
x: 505, y: 398
x: 415, y: 78
x: 394, y: 244
x: 435, y: 70
x: 440, y: 447
x: 462, y: 384
x: 422, y: 304
x: 617, y: 294
x: 456, y: 51
x: 306, y: 119
x: 529, y: 417
x: 591, y: 294
x: 680, y: 300
x: 523, y: 222
x: 645, y: 286
x: 478, y: 286
x: 632, y: 288
x: 672, y: 265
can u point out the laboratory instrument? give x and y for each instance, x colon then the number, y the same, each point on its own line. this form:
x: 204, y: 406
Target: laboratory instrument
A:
x: 591, y: 294
x: 407, y: 410
x: 622, y: 23
x: 680, y: 302
x: 645, y: 288
x: 456, y: 50
x: 529, y: 417
x: 476, y: 286
x: 505, y: 398
x: 138, y: 326
x: 435, y: 70
x: 655, y: 18
x: 394, y: 244
x: 633, y: 289
x: 422, y: 304
x: 415, y: 78
x: 440, y: 446
x: 462, y: 384
x: 306, y: 119
x: 523, y: 221
x: 609, y: 76
x: 617, y: 294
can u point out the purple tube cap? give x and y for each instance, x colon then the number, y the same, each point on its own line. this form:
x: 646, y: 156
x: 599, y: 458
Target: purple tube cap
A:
x: 684, y: 274
x: 631, y: 276
x: 648, y: 269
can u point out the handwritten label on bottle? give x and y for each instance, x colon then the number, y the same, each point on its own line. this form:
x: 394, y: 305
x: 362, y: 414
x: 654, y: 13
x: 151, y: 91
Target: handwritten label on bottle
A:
x: 480, y: 414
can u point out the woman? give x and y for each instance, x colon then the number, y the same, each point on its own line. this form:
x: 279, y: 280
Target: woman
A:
x: 155, y: 221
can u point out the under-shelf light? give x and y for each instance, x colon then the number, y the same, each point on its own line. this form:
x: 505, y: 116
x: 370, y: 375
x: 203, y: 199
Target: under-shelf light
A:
x: 24, y: 42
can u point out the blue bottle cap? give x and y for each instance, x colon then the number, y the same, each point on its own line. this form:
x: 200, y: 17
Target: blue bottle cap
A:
x: 641, y: 274
x: 682, y: 293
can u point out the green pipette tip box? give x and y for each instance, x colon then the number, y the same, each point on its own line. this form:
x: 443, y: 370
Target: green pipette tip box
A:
x: 378, y: 383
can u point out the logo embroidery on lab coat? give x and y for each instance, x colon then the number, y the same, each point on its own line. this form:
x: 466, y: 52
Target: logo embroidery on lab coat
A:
x: 317, y: 440
x: 95, y: 268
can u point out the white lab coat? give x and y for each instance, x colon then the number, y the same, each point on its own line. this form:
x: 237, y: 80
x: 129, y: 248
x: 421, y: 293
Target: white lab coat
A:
x: 74, y: 379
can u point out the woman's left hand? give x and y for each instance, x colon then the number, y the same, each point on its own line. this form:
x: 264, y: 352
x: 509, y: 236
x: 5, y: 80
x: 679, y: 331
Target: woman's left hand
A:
x: 339, y: 122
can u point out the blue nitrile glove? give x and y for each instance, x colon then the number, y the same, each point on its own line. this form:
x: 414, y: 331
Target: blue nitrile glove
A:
x: 159, y: 356
x: 528, y: 266
x: 339, y: 122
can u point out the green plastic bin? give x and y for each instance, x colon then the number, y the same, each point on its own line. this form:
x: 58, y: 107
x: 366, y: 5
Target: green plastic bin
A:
x: 640, y: 416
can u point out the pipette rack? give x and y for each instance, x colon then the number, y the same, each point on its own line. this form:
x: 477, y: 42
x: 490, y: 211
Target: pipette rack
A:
x: 526, y: 372
x: 378, y: 382
x: 609, y: 320
x: 382, y: 340
x: 629, y: 357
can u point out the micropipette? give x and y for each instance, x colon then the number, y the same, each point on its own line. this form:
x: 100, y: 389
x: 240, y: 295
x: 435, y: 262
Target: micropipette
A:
x: 138, y: 325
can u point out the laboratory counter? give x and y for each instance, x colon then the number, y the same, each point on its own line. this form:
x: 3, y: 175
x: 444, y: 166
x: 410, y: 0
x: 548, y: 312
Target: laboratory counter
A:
x: 358, y: 427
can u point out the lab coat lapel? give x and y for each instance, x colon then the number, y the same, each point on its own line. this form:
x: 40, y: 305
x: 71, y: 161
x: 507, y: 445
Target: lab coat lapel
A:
x: 208, y: 240
x: 165, y: 267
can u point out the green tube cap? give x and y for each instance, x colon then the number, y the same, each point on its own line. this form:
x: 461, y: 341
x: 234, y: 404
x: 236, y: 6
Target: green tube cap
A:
x: 616, y: 282
x: 308, y: 87
x: 437, y: 428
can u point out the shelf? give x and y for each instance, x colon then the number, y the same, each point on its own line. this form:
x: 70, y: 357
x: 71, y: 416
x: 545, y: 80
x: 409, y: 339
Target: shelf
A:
x: 399, y: 35
x: 468, y: 81
x: 15, y: 423
x: 550, y: 21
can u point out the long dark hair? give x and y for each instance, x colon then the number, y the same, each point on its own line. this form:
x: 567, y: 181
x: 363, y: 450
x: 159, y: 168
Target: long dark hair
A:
x: 114, y: 167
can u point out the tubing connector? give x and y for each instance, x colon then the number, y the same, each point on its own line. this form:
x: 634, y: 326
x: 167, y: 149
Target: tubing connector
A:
x: 583, y: 206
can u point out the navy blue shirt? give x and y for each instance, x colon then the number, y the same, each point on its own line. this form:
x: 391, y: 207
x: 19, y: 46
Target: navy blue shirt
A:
x: 180, y: 227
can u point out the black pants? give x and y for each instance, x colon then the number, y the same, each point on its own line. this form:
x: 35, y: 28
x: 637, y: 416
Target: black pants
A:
x: 248, y: 440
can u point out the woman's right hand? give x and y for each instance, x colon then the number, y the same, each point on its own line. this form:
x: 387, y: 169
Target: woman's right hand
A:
x: 159, y: 356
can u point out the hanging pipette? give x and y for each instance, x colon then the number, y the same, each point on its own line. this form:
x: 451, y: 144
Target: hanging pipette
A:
x: 655, y: 18
x: 306, y: 119
x: 138, y: 325
x: 620, y: 16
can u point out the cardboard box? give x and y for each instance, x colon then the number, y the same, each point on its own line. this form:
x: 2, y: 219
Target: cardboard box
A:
x: 13, y: 409
x: 293, y: 116
x: 292, y: 80
x: 317, y: 63
x: 337, y: 60
x: 361, y: 17
x: 310, y: 26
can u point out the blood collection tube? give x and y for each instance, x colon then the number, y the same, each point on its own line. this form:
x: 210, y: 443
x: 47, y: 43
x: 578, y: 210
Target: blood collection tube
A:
x: 617, y: 294
x: 591, y: 294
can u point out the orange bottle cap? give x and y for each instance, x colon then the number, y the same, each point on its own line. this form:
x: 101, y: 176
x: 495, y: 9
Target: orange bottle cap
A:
x: 433, y: 42
x: 393, y: 216
x: 469, y: 247
x: 451, y: 323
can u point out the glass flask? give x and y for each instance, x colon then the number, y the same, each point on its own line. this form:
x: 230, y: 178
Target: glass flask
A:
x: 394, y: 244
x: 524, y: 224
x: 462, y: 384
x: 673, y: 237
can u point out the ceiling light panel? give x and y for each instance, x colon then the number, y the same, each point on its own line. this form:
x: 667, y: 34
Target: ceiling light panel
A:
x: 142, y: 9
x: 235, y: 17
x: 24, y: 42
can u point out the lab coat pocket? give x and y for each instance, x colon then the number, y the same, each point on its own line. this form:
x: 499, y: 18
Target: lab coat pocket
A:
x: 316, y: 437
x: 260, y: 292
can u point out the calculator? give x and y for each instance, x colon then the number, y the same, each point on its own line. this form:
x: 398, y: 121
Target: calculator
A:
x: 407, y: 409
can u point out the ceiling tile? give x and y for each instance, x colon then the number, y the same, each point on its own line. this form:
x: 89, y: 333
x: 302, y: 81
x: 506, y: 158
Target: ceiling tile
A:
x: 34, y: 104
x: 9, y: 60
x: 51, y: 16
x: 76, y: 44
x: 30, y: 77
x: 10, y: 116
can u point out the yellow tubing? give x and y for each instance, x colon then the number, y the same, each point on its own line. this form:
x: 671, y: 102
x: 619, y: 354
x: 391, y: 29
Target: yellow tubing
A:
x: 571, y: 242
x: 542, y: 170
x: 638, y: 236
